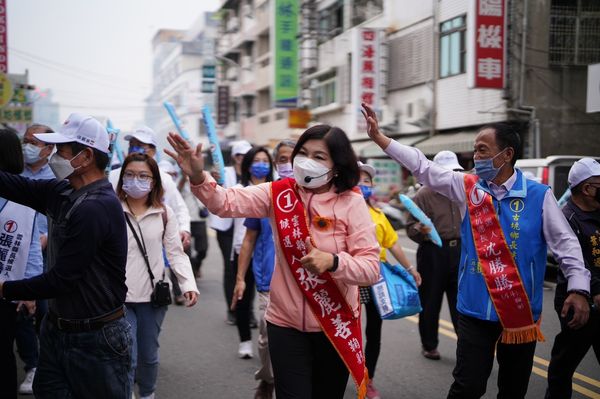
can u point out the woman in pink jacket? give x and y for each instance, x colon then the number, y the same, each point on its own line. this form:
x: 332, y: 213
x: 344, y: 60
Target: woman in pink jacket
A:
x: 325, y: 248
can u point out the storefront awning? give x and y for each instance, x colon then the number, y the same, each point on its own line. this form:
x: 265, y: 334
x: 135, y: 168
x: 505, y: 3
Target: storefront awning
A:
x: 455, y: 142
x: 368, y: 149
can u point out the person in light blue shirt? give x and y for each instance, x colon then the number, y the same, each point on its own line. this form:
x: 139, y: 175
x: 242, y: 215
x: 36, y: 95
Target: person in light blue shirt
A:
x: 35, y: 157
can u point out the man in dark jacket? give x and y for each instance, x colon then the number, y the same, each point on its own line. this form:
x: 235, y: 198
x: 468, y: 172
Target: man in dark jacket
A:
x: 85, y: 341
x: 583, y: 213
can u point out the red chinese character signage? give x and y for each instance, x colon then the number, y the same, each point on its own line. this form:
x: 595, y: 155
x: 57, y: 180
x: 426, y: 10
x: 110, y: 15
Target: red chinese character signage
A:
x: 489, y: 44
x: 3, y: 42
x: 367, y: 72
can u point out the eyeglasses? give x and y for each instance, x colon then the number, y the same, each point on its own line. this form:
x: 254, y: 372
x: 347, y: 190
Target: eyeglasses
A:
x: 140, y: 177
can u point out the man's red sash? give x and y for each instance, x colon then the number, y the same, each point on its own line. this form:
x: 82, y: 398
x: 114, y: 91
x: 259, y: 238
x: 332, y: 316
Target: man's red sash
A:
x: 325, y: 300
x: 499, y: 269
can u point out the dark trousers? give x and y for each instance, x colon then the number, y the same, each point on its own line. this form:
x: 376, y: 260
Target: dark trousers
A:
x: 77, y: 365
x: 225, y: 240
x: 8, y: 366
x: 26, y: 336
x: 477, y: 340
x: 439, y: 270
x: 305, y: 365
x: 570, y: 347
x: 373, y: 337
x: 200, y: 244
x: 244, y: 307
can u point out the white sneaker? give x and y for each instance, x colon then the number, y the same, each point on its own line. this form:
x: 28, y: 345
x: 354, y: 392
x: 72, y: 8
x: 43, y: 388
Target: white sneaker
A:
x: 26, y: 387
x: 245, y: 350
x: 151, y: 396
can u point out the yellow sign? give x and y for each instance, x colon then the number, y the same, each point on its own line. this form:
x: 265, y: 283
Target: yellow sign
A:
x: 21, y: 114
x: 6, y: 90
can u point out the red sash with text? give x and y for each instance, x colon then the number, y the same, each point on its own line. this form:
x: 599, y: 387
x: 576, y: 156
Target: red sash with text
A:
x: 325, y: 299
x: 499, y: 269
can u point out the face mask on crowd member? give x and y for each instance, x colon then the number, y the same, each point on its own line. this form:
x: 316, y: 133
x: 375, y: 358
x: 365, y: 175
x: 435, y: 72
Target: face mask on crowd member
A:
x: 137, y: 185
x: 260, y: 169
x: 285, y: 170
x: 61, y: 167
x: 366, y: 179
x: 142, y: 141
x: 310, y: 173
x: 31, y: 153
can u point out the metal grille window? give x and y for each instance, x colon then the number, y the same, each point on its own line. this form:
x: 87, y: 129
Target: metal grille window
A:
x: 574, y: 32
x: 453, y: 47
x: 323, y: 90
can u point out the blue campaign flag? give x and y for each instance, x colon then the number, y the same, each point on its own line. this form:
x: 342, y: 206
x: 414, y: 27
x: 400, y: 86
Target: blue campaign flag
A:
x: 215, y: 148
x: 171, y: 110
x: 421, y: 217
x: 113, y: 134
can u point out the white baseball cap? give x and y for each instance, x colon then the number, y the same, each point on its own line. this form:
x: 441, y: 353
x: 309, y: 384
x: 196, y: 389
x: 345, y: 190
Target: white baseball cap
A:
x: 81, y: 129
x: 143, y: 134
x: 448, y: 160
x: 583, y: 170
x: 367, y: 168
x: 240, y: 147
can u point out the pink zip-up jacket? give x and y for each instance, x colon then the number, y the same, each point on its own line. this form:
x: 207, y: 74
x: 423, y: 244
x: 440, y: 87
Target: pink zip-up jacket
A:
x: 350, y: 235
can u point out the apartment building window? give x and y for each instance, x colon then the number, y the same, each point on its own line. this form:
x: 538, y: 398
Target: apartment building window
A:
x: 453, y: 46
x: 323, y: 90
x: 574, y: 32
x: 331, y: 21
x: 363, y: 10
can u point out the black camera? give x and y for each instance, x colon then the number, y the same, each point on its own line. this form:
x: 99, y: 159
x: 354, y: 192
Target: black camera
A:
x: 161, y: 296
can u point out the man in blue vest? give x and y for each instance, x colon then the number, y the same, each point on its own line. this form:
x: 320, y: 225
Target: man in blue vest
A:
x: 530, y: 219
x: 583, y: 214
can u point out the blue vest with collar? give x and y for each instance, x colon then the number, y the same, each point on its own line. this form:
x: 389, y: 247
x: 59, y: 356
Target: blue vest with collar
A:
x: 520, y: 215
x: 263, y: 258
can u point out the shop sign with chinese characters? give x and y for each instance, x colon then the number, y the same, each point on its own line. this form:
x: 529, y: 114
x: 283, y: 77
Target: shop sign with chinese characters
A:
x: 487, y: 40
x: 367, y: 72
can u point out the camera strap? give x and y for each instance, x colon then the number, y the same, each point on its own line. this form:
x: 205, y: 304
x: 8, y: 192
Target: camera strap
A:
x: 142, y: 246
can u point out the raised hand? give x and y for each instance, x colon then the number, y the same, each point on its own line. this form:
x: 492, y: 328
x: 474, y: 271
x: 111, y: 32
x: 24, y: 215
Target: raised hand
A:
x: 373, y: 127
x: 316, y: 261
x: 189, y: 159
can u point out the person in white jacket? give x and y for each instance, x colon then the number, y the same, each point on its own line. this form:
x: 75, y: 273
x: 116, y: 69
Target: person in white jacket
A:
x: 151, y: 225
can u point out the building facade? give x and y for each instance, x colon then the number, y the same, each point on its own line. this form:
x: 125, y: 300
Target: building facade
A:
x: 415, y: 62
x: 183, y: 73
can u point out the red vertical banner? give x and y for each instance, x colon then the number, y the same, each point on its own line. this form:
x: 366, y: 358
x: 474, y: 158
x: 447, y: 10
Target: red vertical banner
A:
x: 489, y: 43
x: 3, y: 41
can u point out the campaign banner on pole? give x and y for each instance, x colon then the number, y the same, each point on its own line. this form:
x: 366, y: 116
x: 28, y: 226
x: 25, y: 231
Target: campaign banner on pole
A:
x: 285, y: 50
x: 487, y: 42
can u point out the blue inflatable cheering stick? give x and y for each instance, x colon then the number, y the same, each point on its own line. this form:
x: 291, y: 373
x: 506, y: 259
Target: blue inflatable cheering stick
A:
x: 422, y: 218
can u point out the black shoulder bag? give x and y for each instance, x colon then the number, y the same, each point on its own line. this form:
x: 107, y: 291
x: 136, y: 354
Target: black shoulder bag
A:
x: 161, y: 293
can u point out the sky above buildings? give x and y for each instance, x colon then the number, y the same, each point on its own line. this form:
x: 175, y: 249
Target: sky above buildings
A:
x: 95, y: 55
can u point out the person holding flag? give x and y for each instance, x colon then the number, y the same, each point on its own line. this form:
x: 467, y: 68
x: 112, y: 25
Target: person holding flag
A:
x: 507, y: 222
x: 325, y: 248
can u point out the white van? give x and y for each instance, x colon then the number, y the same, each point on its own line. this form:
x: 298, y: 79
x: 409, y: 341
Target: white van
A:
x: 552, y: 170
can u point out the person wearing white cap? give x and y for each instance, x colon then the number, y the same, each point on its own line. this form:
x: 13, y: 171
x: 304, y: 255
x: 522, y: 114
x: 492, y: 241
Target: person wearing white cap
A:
x: 582, y: 211
x: 143, y: 139
x: 508, y: 222
x: 85, y: 343
x: 438, y: 266
x: 224, y: 226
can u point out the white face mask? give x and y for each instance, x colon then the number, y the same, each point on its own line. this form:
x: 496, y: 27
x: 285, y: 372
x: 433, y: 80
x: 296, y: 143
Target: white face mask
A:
x: 31, y: 153
x: 310, y: 173
x: 61, y: 167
